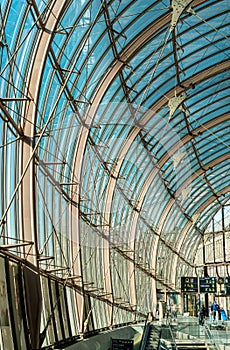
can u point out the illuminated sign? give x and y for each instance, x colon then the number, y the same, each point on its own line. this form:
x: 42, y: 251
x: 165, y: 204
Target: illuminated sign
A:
x: 208, y: 285
x: 189, y: 284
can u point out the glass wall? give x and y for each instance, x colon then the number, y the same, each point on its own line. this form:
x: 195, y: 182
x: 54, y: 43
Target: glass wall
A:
x: 58, y: 320
x: 54, y: 302
x: 6, y: 331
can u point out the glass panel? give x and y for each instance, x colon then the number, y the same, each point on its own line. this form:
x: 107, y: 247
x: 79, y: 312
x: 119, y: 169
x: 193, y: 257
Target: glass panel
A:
x: 47, y: 327
x: 63, y: 311
x: 71, y: 308
x: 55, y: 310
x: 16, y: 294
x: 6, y: 337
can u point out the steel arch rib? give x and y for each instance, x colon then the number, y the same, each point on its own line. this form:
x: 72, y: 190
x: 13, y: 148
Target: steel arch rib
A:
x: 34, y: 83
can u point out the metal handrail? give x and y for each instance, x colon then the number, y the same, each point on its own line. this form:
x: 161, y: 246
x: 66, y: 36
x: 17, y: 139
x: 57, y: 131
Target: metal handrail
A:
x: 172, y: 339
x: 210, y: 336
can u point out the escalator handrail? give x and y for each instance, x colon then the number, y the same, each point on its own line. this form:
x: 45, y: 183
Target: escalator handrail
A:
x: 211, y: 338
x: 145, y: 334
x: 173, y: 338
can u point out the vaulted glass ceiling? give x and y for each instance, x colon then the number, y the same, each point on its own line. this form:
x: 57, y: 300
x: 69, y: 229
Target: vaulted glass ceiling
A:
x: 115, y: 137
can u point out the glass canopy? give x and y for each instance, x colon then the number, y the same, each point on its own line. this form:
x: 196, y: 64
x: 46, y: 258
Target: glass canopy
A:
x: 115, y: 137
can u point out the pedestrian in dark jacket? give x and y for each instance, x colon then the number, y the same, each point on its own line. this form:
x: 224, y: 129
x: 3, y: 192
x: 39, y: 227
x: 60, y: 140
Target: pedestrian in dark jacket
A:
x: 202, y: 315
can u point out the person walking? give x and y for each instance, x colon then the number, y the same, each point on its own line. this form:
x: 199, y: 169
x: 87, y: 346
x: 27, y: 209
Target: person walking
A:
x: 168, y: 311
x: 214, y: 309
x: 202, y: 315
x: 174, y: 312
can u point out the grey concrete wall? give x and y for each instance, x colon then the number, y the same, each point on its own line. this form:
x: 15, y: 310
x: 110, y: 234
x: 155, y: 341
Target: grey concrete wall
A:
x: 104, y: 341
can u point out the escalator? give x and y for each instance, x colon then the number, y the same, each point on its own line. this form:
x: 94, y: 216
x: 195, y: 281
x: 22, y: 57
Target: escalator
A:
x: 165, y: 336
x: 162, y: 338
x: 153, y: 337
x: 169, y: 340
x: 191, y: 345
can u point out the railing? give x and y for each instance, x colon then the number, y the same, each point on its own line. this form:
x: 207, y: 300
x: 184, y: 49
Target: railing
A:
x: 172, y: 338
x: 168, y: 340
x: 211, y: 341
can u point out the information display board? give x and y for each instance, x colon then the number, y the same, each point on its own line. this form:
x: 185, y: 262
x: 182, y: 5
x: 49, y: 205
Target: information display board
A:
x: 122, y: 344
x: 208, y: 285
x: 189, y: 284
